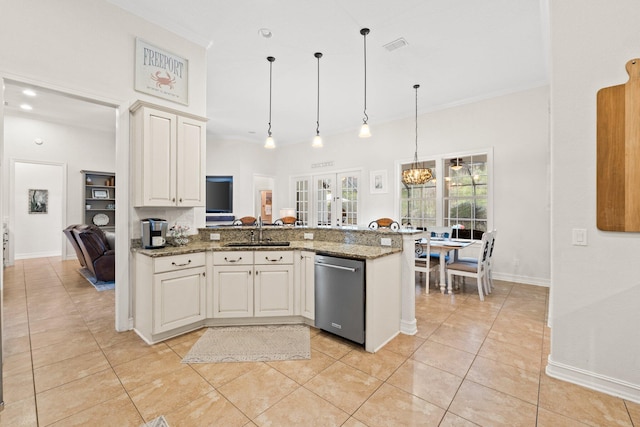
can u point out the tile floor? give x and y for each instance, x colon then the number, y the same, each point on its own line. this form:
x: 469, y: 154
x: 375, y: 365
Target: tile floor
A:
x: 471, y: 363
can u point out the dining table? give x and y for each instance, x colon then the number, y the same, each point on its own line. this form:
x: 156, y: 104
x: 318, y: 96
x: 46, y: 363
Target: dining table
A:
x: 442, y: 247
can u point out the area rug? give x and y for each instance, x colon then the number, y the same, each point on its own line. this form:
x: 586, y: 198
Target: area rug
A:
x: 157, y: 422
x: 251, y: 344
x: 98, y: 284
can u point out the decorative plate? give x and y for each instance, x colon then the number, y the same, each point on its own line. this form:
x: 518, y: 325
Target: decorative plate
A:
x: 100, y: 220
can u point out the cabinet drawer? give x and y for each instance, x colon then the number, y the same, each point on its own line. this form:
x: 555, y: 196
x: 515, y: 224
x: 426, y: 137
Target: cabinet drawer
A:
x: 179, y: 262
x: 274, y: 257
x: 233, y: 258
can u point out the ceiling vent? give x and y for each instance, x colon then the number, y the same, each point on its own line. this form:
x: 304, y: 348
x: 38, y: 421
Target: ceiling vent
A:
x: 396, y: 44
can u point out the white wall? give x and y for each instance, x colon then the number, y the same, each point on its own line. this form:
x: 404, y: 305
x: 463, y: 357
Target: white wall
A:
x: 77, y: 147
x: 242, y: 161
x: 86, y: 47
x: 35, y: 235
x: 516, y: 126
x: 595, y: 296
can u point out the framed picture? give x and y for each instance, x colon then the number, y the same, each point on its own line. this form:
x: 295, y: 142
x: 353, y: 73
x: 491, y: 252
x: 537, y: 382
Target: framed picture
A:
x: 99, y: 194
x: 38, y: 201
x: 378, y: 182
x: 161, y: 73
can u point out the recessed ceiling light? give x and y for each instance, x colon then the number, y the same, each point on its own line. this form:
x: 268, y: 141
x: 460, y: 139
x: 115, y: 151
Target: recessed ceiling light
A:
x: 29, y: 92
x: 265, y: 32
x: 26, y: 107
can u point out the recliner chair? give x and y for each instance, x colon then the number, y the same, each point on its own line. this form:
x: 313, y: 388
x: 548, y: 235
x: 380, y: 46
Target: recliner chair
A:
x: 95, y: 250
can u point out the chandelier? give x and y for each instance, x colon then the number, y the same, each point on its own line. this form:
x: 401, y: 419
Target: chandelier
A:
x: 418, y: 174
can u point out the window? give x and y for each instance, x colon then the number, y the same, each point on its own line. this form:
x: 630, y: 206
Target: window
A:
x: 465, y: 195
x: 460, y: 199
x: 418, y: 202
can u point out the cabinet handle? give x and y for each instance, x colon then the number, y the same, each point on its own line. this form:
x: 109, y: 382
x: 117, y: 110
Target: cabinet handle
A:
x: 181, y: 265
x: 232, y: 260
x: 173, y: 200
x: 180, y: 199
x: 273, y: 260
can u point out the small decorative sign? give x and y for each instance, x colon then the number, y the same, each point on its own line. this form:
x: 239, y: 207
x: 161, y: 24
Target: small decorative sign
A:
x: 38, y: 201
x: 161, y: 73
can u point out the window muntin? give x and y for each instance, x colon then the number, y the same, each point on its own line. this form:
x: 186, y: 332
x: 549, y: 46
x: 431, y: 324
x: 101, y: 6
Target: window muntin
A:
x: 465, y: 194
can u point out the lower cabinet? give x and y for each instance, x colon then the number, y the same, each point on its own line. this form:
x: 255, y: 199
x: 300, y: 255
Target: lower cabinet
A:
x: 170, y: 294
x: 252, y: 284
x: 306, y: 280
x: 178, y: 298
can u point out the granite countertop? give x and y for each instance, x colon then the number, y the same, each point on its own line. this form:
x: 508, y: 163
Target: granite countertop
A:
x: 327, y: 248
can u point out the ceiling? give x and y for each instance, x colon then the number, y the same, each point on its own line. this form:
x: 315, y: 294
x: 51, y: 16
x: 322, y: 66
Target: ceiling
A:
x: 459, y: 51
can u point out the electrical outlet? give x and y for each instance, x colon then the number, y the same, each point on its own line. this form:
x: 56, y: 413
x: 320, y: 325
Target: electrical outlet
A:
x: 214, y: 236
x: 385, y: 241
x: 308, y: 236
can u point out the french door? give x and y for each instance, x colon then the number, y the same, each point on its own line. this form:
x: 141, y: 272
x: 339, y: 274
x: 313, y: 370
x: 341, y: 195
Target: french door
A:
x: 327, y: 200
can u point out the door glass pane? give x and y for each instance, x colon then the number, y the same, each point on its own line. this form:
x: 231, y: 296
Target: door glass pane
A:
x: 302, y: 201
x: 349, y: 200
x: 324, y: 197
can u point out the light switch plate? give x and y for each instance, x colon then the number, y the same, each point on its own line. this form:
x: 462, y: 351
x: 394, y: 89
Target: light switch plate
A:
x: 214, y: 236
x: 579, y: 237
x: 308, y: 236
x: 385, y: 241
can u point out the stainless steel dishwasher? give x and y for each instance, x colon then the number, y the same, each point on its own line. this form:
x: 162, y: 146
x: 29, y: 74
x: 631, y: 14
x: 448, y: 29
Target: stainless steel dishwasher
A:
x: 340, y: 296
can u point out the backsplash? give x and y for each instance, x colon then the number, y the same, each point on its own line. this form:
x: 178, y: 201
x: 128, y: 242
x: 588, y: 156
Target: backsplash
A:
x: 287, y: 234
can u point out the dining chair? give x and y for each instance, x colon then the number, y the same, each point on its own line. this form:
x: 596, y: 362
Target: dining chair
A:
x: 477, y: 270
x: 440, y: 233
x: 423, y: 263
x: 492, y: 244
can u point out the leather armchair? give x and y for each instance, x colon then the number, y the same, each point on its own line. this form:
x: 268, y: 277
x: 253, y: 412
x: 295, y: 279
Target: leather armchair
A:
x: 98, y: 256
x: 72, y: 239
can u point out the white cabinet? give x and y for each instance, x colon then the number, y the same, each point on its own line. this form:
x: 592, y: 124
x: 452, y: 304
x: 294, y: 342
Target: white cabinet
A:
x: 232, y: 284
x: 248, y: 284
x: 306, y: 281
x: 273, y: 285
x: 170, y: 294
x: 169, y: 157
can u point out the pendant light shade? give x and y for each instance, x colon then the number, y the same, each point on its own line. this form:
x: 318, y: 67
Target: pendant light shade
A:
x: 365, y: 132
x: 317, y: 140
x: 456, y: 164
x: 270, y: 143
x: 418, y: 174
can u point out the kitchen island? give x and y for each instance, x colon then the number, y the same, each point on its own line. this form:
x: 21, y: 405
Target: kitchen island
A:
x: 221, y: 282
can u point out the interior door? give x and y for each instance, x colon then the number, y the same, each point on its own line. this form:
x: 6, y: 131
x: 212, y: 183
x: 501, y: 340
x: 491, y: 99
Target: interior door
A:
x: 336, y: 199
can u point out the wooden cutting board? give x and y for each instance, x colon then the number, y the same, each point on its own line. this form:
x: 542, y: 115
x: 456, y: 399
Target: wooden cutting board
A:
x: 618, y: 154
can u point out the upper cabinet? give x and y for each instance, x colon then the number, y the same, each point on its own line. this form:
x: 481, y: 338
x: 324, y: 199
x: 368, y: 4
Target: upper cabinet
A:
x: 168, y: 157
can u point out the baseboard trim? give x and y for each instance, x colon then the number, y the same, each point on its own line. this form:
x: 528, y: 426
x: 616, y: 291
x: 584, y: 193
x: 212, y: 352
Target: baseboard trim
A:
x: 525, y: 280
x: 593, y: 381
x: 409, y: 328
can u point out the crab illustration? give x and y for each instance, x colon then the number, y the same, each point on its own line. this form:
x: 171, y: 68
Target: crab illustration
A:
x: 163, y: 81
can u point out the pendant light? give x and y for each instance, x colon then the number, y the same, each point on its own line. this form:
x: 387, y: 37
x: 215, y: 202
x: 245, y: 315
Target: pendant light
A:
x: 317, y: 141
x: 457, y: 166
x: 269, y: 143
x: 365, y: 132
x: 418, y: 174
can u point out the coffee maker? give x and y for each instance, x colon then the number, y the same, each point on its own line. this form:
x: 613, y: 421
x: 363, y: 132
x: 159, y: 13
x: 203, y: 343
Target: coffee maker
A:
x: 154, y: 233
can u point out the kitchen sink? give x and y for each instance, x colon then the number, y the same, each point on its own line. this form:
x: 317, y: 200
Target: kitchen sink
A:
x: 253, y: 244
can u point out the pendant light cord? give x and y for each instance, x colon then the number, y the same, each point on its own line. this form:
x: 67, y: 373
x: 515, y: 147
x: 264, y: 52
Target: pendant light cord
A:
x: 270, y: 59
x: 364, y: 32
x: 318, y: 55
x: 416, y: 153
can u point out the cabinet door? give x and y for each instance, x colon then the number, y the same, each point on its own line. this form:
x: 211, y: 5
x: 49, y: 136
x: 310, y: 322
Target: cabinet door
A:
x: 178, y: 298
x: 307, y: 289
x: 232, y: 291
x: 191, y: 159
x: 159, y: 158
x: 273, y: 290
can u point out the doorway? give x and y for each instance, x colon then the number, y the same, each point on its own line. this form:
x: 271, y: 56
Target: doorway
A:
x: 38, y: 195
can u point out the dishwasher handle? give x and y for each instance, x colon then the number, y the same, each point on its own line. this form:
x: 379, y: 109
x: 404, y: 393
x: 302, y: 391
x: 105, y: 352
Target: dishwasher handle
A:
x: 339, y: 267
